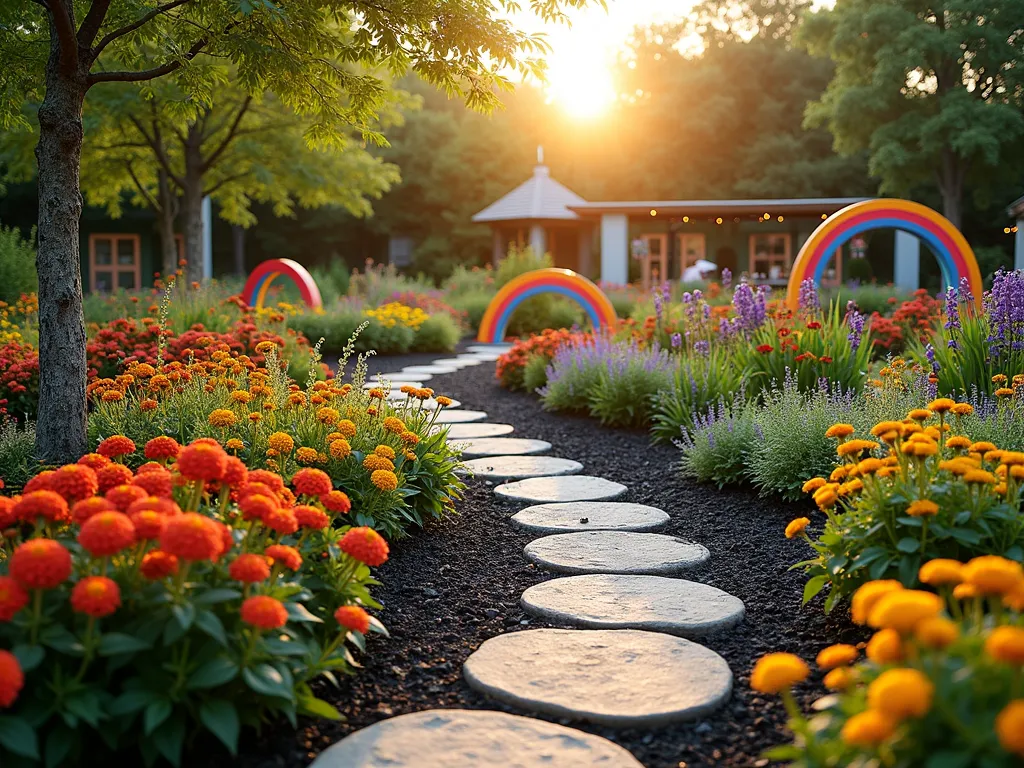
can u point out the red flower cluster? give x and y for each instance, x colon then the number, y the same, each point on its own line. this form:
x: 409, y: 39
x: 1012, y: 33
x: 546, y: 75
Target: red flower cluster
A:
x: 365, y: 545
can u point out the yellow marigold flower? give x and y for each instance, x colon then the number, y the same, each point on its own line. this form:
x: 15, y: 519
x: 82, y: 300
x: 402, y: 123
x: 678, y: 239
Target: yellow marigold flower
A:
x: 328, y: 416
x: 347, y: 428
x: 840, y: 655
x: 813, y: 484
x: 920, y: 414
x: 384, y: 479
x: 959, y: 442
x: 839, y: 473
x: 394, y: 425
x: 912, y: 428
x: 406, y: 389
x: 867, y: 729
x: 1012, y: 458
x: 886, y: 472
x: 373, y: 462
x: 409, y: 438
x: 255, y: 417
x: 1006, y: 644
x: 266, y: 346
x: 148, y: 404
x: 241, y: 396
x: 1004, y: 392
x: 428, y: 390
x: 826, y: 496
x: 922, y: 508
x: 903, y: 609
x: 979, y: 476
x: 963, y: 409
x: 885, y: 647
x: 112, y: 396
x: 958, y: 466
x: 443, y: 401
x: 222, y: 417
x: 941, y: 571
x: 1010, y: 727
x: 901, y: 693
x: 340, y: 449
x: 866, y: 596
x: 869, y: 466
x: 965, y: 591
x: 386, y: 451
x: 999, y: 378
x: 840, y: 431
x: 937, y: 632
x: 410, y: 456
x: 281, y: 442
x: 1015, y: 600
x: 1000, y: 489
x: 993, y: 575
x: 941, y: 405
x: 839, y: 679
x: 993, y: 456
x: 982, y: 447
x: 932, y: 432
x: 376, y: 394
x: 297, y: 398
x: 920, y: 448
x: 886, y: 426
x: 855, y: 447
x: 268, y: 406
x: 1016, y: 472
x: 776, y: 671
x: 271, y: 453
x: 234, y: 444
x: 306, y: 455
x: 851, y: 486
x: 143, y: 370
x: 796, y: 527
x: 332, y: 436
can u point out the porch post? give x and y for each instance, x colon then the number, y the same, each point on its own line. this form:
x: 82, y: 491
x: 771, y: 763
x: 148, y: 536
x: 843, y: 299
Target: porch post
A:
x: 538, y: 239
x: 906, y: 261
x: 615, y: 248
x: 1018, y: 244
x: 498, y: 246
x: 584, y: 238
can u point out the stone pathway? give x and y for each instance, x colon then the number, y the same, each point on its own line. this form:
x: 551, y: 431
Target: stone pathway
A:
x: 573, y: 488
x: 458, y: 432
x: 615, y: 552
x: 503, y: 446
x: 590, y: 516
x: 459, y: 417
x: 521, y: 467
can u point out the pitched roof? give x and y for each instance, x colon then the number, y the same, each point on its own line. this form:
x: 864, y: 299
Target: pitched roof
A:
x: 813, y: 205
x: 1016, y: 208
x: 539, y: 197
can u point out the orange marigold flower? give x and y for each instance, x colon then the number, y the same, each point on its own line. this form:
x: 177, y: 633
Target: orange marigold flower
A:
x: 941, y: 405
x: 903, y: 609
x: 116, y: 445
x: 161, y: 448
x: 920, y: 414
x: 158, y: 565
x: 106, y: 533
x: 353, y: 618
x: 777, y: 671
x: 12, y: 679
x: 192, y: 536
x: 202, y: 461
x: 409, y: 438
x: 839, y: 431
x: 867, y: 595
x: 112, y: 476
x: 75, y: 482
x: 376, y: 394
x: 94, y: 461
x: 840, y: 655
x: 48, y: 505
x: 123, y: 496
x: 993, y: 575
x: 443, y: 401
x: 307, y: 456
x: 959, y: 443
x: 963, y: 409
x: 936, y: 632
x: 270, y: 479
x: 337, y: 501
x: 148, y: 404
x: 249, y: 568
x: 281, y: 442
x: 13, y: 598
x: 922, y: 508
x: 385, y: 451
x: 393, y: 424
x: 256, y: 506
x: 281, y: 520
x: 40, y: 564
x: 796, y: 527
x: 287, y: 556
x: 264, y: 612
x: 347, y: 428
x: 149, y: 524
x: 158, y: 482
x: 340, y: 449
x: 365, y: 545
x: 96, y: 596
x: 901, y: 693
x: 86, y: 508
x: 868, y: 728
x: 384, y: 479
x: 885, y: 647
x: 941, y: 571
x: 311, y: 517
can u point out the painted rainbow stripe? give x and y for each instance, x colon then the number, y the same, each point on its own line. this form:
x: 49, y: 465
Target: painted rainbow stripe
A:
x: 955, y: 257
x: 255, y: 291
x: 551, y: 280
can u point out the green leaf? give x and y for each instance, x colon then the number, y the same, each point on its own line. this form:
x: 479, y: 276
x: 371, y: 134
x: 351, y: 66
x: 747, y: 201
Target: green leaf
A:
x: 314, y: 707
x: 213, y: 673
x: 18, y: 737
x: 213, y: 596
x: 209, y: 623
x: 264, y: 679
x: 156, y: 713
x: 60, y: 639
x: 86, y: 707
x: 962, y: 517
x: 299, y: 612
x: 29, y: 656
x: 948, y: 759
x: 279, y: 647
x: 376, y: 626
x: 909, y: 566
x: 184, y: 614
x: 813, y: 587
x: 966, y: 536
x: 908, y: 545
x: 130, y: 702
x: 113, y: 643
x: 221, y: 718
x: 170, y: 738
x: 59, y: 742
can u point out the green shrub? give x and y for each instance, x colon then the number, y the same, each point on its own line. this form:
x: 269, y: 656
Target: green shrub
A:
x: 629, y: 382
x: 438, y: 333
x: 332, y: 280
x: 474, y: 304
x: 535, y: 374
x: 698, y: 382
x: 715, y: 448
x: 17, y: 453
x: 17, y: 264
x: 575, y: 372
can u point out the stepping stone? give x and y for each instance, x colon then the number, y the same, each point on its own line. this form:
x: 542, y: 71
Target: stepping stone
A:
x: 500, y: 348
x: 462, y: 738
x: 622, y: 678
x: 454, y: 362
x: 474, y: 431
x: 470, y: 359
x: 403, y: 375
x: 574, y: 488
x: 459, y: 417
x: 417, y: 370
x: 503, y: 446
x: 599, y: 516
x: 396, y: 384
x: 518, y: 467
x: 615, y: 552
x: 487, y: 357
x: 616, y: 601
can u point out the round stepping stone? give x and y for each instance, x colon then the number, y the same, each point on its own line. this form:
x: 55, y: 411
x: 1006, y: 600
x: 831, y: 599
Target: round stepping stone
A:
x: 615, y: 552
x: 503, y: 446
x: 616, y: 601
x: 487, y: 357
x: 417, y: 370
x: 396, y: 384
x: 454, y: 362
x: 470, y: 359
x: 517, y: 467
x: 574, y: 488
x: 461, y: 738
x: 459, y: 417
x: 621, y: 678
x: 590, y: 516
x: 474, y: 431
x: 501, y: 347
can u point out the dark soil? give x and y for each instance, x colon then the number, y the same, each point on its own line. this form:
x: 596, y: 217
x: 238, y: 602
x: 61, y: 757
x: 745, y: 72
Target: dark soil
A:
x: 448, y: 588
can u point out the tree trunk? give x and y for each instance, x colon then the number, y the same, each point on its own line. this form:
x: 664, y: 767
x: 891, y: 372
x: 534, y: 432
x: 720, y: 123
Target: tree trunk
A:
x: 165, y: 226
x: 61, y: 427
x: 192, y: 207
x: 951, y: 186
x: 238, y: 246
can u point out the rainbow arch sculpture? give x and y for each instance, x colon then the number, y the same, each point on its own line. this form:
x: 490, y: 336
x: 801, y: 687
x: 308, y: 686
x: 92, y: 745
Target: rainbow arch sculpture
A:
x: 955, y: 257
x: 255, y: 291
x: 551, y: 280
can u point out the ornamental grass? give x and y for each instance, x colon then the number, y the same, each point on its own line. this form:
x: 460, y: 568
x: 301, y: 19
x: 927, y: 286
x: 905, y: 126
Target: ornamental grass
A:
x: 206, y: 605
x: 939, y: 682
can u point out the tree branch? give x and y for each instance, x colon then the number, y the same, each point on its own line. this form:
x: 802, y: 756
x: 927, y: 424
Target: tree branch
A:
x: 129, y: 28
x: 92, y: 23
x: 142, y: 190
x: 157, y: 146
x: 65, y: 29
x: 148, y: 74
x: 222, y: 182
x: 215, y: 155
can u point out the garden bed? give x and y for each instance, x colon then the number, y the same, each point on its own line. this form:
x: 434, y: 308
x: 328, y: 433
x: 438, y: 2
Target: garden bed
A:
x: 458, y: 583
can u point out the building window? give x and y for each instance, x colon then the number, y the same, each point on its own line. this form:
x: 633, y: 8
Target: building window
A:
x: 114, y: 262
x: 692, y: 248
x: 770, y: 256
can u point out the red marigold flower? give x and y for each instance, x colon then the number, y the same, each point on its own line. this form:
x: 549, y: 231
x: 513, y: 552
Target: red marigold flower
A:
x: 46, y: 504
x: 123, y: 496
x: 783, y: 332
x: 814, y: 325
x: 202, y: 461
x: 13, y: 598
x: 337, y: 501
x: 40, y: 564
x: 75, y: 482
x: 116, y: 445
x: 264, y: 612
x: 256, y: 489
x: 192, y: 536
x: 310, y: 517
x: 94, y: 461
x: 112, y: 476
x: 268, y: 478
x: 287, y: 497
x: 354, y: 618
x: 825, y: 359
x: 365, y: 545
x: 235, y: 473
x: 249, y: 568
x: 40, y: 482
x: 158, y: 565
x: 312, y: 482
x: 162, y: 448
x: 227, y: 538
x: 96, y: 596
x: 7, y: 516
x: 156, y: 482
x: 764, y: 349
x: 12, y: 679
x: 164, y: 507
x: 106, y: 533
x: 257, y: 506
x: 86, y: 508
x: 281, y: 520
x: 287, y: 556
x: 150, y: 466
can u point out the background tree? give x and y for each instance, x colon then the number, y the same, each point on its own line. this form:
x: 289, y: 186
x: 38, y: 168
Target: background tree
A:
x: 54, y: 51
x: 935, y: 93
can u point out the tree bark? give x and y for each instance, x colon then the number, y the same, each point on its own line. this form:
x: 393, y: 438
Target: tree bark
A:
x: 192, y: 206
x: 167, y: 209
x: 61, y: 426
x: 951, y: 186
x: 238, y: 246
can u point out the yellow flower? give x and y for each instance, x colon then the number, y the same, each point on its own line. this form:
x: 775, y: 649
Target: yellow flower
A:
x: 853, y: 486
x: 958, y: 442
x: 255, y: 417
x: 869, y: 466
x: 993, y: 456
x: 884, y: 427
x: 813, y: 484
x: 1010, y: 727
x: 919, y: 414
x: 941, y: 571
x: 982, y: 447
x: 394, y: 425
x: 855, y: 447
x: 885, y: 647
x: 901, y: 693
x: 384, y: 479
x: 373, y: 462
x: 1013, y: 458
x: 306, y: 455
x: 776, y: 671
x: 965, y: 591
x: 234, y: 444
x: 979, y: 476
x: 867, y: 595
x: 840, y: 655
x: 867, y: 729
x: 347, y: 428
x: 443, y: 401
x: 941, y: 405
x: 112, y: 396
x: 376, y: 394
x: 937, y: 632
x: 963, y: 409
x: 340, y: 448
x: 240, y: 396
x: 1006, y: 644
x: 839, y: 679
x: 903, y: 609
x: 840, y: 431
x: 409, y: 438
x: 826, y: 496
x: 796, y: 527
x: 281, y: 442
x: 839, y: 474
x: 1015, y: 600
x: 222, y: 417
x: 328, y: 416
x: 920, y: 448
x: 999, y: 378
x: 993, y: 575
x: 386, y: 451
x: 922, y: 508
x: 1004, y: 392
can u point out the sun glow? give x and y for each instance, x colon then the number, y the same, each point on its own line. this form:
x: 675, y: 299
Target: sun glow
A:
x: 579, y: 79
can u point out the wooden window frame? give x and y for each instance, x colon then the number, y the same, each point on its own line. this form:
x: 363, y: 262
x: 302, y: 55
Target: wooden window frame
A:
x: 114, y: 268
x: 785, y: 261
x: 645, y: 263
x: 681, y: 238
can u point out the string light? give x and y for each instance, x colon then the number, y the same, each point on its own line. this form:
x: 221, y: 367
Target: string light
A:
x: 824, y: 216
x: 782, y: 218
x: 767, y: 215
x: 686, y: 219
x: 653, y: 212
x: 736, y: 219
x: 718, y: 220
x: 1006, y: 230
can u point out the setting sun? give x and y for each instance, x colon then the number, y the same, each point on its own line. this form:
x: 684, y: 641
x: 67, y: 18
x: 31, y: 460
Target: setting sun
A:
x: 579, y: 81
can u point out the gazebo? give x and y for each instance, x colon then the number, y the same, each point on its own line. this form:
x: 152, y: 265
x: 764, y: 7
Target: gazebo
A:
x: 537, y: 213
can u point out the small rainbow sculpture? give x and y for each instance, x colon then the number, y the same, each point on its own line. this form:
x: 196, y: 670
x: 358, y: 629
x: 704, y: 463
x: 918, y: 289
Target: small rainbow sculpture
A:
x: 955, y: 257
x: 255, y: 291
x: 551, y: 280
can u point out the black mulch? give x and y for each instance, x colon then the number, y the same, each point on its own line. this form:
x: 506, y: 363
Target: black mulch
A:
x: 450, y: 587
